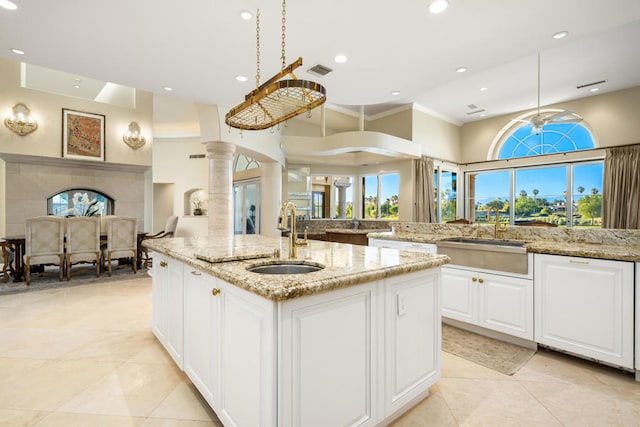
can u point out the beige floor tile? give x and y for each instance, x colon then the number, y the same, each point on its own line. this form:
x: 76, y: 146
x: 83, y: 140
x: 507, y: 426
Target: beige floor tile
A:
x: 493, y: 403
x: 432, y: 411
x: 157, y: 422
x: 548, y: 366
x: 184, y: 402
x: 41, y: 343
x: 63, y: 419
x: 10, y: 369
x: 456, y: 367
x: 113, y: 345
x: 153, y: 353
x: 132, y: 389
x: 52, y: 384
x: 587, y: 404
x: 18, y: 418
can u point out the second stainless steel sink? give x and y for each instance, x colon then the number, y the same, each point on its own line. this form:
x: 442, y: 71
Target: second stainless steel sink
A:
x: 285, y: 267
x: 500, y: 255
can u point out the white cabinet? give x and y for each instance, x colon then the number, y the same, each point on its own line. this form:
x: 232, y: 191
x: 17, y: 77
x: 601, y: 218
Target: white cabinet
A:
x: 229, y: 349
x: 585, y: 306
x: 493, y: 301
x: 167, y: 299
x: 329, y: 358
x: 412, y: 337
x: 638, y: 321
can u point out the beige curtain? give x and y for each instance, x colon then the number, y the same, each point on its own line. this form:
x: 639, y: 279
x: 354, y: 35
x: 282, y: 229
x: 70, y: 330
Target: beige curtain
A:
x: 621, y: 188
x: 424, y: 190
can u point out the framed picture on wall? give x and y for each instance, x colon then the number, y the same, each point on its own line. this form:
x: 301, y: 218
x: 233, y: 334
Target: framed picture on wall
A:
x: 82, y: 135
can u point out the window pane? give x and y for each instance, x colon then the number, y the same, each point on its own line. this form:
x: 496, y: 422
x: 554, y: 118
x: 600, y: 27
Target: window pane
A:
x: 317, y: 204
x: 369, y: 196
x: 448, y: 194
x: 488, y: 189
x: 389, y: 196
x: 587, y: 195
x: 540, y: 195
x: 553, y: 138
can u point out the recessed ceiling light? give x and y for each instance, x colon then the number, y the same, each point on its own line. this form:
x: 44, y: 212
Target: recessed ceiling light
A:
x: 76, y: 86
x: 167, y: 88
x: 482, y: 115
x: 438, y: 6
x: 482, y: 89
x: 595, y: 89
x: 340, y: 59
x: 246, y: 15
x: 395, y: 93
x: 77, y: 79
x: 8, y: 5
x: 17, y: 51
x: 561, y: 34
x: 532, y: 104
x: 241, y: 78
x: 461, y: 69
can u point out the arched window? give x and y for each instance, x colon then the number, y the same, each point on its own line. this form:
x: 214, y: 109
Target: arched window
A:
x: 552, y: 138
x: 80, y: 202
x: 244, y: 163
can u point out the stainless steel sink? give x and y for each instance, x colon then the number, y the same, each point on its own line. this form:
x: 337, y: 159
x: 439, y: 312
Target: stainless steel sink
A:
x: 501, y: 255
x: 285, y: 267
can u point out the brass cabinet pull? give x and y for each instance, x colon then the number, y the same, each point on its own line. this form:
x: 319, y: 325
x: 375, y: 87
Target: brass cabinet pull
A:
x: 196, y: 273
x: 481, y: 280
x: 163, y: 264
x: 215, y: 291
x: 474, y: 279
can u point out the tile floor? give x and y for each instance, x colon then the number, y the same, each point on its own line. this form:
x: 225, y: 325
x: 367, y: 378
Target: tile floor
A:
x: 85, y: 356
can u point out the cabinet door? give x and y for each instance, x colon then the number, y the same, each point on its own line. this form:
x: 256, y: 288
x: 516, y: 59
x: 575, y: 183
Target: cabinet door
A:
x: 460, y: 294
x: 175, y: 320
x: 426, y: 248
x: 506, y: 304
x: 159, y: 284
x: 199, y: 320
x: 245, y: 348
x: 585, y: 306
x: 412, y: 337
x: 329, y: 360
x: 637, y: 320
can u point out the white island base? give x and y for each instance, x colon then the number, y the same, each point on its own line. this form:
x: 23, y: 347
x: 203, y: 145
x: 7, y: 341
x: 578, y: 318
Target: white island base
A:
x: 360, y: 355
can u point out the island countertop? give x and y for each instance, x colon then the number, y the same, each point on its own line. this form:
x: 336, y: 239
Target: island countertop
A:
x: 344, y: 264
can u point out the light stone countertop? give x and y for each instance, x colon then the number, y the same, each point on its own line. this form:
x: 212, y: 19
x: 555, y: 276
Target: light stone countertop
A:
x: 345, y: 265
x: 352, y: 230
x: 626, y: 250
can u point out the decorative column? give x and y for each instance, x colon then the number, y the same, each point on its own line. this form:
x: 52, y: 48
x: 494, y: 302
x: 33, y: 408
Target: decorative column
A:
x: 342, y: 198
x: 220, y: 155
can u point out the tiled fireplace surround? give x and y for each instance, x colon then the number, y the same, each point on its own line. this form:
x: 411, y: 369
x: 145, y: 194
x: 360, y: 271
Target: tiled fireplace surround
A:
x: 29, y: 182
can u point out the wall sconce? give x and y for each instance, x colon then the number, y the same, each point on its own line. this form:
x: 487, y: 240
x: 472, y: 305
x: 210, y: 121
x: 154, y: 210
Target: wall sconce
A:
x: 133, y: 137
x: 20, y: 121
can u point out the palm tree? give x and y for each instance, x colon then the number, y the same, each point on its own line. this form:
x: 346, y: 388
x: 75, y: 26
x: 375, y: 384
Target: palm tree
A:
x: 580, y: 190
x: 523, y: 193
x: 594, y: 191
x: 535, y: 193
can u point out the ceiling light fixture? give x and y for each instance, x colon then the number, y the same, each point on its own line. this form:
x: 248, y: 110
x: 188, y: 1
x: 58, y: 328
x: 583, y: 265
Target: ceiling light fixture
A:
x: 595, y: 89
x: 17, y: 51
x: 482, y: 89
x: 6, y: 4
x: 560, y: 35
x: 438, y: 6
x: 461, y: 69
x: 241, y: 78
x: 275, y: 100
x: 133, y: 137
x: 167, y: 88
x: 395, y: 93
x: 246, y: 15
x: 340, y: 59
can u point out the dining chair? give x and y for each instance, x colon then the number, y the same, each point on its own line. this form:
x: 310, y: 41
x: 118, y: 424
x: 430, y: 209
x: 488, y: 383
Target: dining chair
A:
x: 121, y: 241
x: 168, y: 231
x: 44, y: 244
x: 83, y: 242
x: 4, y: 248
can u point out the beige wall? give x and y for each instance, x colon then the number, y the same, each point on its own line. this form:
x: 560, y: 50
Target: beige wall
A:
x: 438, y: 138
x: 46, y: 141
x: 398, y: 124
x: 613, y: 118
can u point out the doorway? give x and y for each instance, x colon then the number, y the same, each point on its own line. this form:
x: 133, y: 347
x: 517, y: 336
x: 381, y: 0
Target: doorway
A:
x: 246, y: 207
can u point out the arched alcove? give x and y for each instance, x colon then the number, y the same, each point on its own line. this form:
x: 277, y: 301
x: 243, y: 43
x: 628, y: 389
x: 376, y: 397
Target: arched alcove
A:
x: 195, y: 202
x: 80, y: 202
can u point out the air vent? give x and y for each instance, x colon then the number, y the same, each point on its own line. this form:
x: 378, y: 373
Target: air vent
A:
x: 319, y: 70
x: 196, y: 156
x: 472, y: 106
x: 475, y: 112
x: 591, y: 84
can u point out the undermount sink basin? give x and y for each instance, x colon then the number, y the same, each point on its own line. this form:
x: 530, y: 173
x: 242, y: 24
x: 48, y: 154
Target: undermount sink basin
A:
x: 500, y: 255
x: 285, y: 267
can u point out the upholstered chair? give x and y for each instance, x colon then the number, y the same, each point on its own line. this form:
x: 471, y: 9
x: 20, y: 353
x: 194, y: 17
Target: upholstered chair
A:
x: 122, y: 235
x: 4, y: 256
x: 83, y: 242
x: 168, y: 231
x: 44, y: 243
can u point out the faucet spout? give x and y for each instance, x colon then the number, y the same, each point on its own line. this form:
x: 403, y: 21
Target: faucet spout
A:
x: 288, y: 209
x: 498, y: 228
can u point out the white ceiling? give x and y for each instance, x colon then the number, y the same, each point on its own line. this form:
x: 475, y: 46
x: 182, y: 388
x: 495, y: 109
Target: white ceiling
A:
x: 197, y: 47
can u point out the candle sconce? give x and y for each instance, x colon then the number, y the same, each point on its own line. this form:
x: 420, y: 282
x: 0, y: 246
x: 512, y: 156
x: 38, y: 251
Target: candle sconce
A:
x: 20, y: 121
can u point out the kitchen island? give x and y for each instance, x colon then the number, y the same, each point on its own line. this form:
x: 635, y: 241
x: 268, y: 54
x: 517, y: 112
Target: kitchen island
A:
x: 355, y: 343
